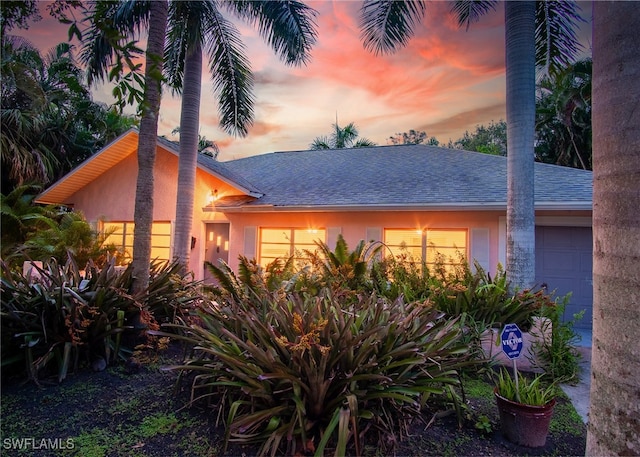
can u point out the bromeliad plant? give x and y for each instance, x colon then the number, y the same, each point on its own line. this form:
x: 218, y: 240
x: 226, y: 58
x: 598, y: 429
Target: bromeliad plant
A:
x: 342, y: 268
x: 299, y: 373
x: 53, y: 315
x: 58, y: 316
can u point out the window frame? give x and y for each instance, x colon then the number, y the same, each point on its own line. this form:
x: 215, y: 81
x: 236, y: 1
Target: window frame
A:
x: 293, y: 246
x: 127, y: 233
x: 424, y: 246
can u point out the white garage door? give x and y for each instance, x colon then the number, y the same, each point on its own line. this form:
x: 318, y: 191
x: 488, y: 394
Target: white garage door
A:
x: 564, y: 263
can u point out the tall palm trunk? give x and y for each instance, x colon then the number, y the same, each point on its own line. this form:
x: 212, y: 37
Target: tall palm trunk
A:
x: 189, y: 125
x: 143, y: 215
x: 520, y: 20
x: 614, y: 414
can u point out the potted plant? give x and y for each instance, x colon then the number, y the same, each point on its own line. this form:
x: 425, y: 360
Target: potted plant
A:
x: 525, y: 407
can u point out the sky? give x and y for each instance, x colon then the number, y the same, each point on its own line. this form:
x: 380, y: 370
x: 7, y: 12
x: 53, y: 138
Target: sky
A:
x: 446, y: 81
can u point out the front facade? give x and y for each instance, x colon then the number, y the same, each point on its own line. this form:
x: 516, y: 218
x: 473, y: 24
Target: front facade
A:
x: 418, y: 200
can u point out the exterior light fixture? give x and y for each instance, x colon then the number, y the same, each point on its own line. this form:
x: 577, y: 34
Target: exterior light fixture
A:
x: 212, y: 197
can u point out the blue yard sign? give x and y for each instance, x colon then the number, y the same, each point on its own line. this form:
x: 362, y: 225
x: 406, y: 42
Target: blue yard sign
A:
x: 511, y: 338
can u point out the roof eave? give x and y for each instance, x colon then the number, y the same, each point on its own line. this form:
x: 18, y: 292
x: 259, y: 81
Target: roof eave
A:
x: 462, y: 206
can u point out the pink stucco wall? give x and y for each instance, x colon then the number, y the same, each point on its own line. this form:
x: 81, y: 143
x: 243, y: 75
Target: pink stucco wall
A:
x: 111, y: 197
x: 353, y: 225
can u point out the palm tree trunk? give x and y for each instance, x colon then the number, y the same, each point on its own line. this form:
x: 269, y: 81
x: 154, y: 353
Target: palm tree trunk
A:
x: 143, y: 213
x: 189, y: 125
x: 614, y: 414
x: 520, y: 20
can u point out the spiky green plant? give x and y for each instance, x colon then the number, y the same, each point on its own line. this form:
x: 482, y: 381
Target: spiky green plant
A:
x: 554, y: 348
x: 252, y: 280
x: 35, y: 232
x: 532, y: 392
x: 295, y: 371
x: 488, y: 300
x: 400, y: 275
x: 341, y: 267
x: 59, y: 316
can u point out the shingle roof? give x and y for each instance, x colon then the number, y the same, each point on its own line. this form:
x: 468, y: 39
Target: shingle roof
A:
x: 212, y: 165
x: 405, y: 176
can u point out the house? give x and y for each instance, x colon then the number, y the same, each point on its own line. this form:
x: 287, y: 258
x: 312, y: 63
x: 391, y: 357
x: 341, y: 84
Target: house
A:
x: 413, y: 198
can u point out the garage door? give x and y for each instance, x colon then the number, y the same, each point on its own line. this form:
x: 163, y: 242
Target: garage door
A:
x: 564, y: 263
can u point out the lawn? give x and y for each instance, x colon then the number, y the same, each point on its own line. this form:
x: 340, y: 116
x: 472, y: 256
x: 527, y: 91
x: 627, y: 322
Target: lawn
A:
x: 139, y: 412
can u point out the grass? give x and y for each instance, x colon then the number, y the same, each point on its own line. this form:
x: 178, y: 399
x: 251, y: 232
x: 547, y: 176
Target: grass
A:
x: 112, y: 413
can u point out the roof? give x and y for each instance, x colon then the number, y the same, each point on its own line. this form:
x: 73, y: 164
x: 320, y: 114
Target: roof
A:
x: 116, y: 151
x: 401, y: 177
x: 90, y: 169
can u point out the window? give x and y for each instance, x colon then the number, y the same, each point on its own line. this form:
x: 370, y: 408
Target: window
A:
x: 284, y: 242
x: 428, y: 245
x: 120, y: 234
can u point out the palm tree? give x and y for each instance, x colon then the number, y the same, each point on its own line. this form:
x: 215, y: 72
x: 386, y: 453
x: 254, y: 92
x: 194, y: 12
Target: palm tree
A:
x: 205, y: 146
x: 113, y: 21
x: 342, y: 137
x: 563, y: 116
x: 197, y: 27
x: 537, y: 34
x: 49, y: 122
x: 23, y: 102
x: 615, y: 384
x: 143, y: 213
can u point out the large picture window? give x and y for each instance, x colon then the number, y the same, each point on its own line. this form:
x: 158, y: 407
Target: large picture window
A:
x: 120, y: 235
x: 429, y: 246
x: 285, y: 242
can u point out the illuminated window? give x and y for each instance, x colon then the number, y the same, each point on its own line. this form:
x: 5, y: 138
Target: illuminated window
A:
x: 285, y: 242
x: 120, y: 235
x: 427, y: 246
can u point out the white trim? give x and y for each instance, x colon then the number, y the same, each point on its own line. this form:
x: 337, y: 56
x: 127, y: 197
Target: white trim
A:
x: 455, y: 206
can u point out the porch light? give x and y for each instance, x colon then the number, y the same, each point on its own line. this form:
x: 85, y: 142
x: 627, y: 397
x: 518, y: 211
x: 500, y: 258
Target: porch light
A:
x: 213, y: 196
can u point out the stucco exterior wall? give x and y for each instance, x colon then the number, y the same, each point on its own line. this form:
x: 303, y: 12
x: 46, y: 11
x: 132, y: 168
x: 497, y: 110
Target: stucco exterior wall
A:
x: 111, y: 197
x: 353, y: 225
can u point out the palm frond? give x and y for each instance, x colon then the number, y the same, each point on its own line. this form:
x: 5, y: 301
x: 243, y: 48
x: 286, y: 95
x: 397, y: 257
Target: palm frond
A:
x: 98, y: 52
x: 288, y: 27
x: 389, y: 24
x: 469, y: 11
x: 556, y: 40
x: 364, y: 143
x: 231, y: 74
x: 321, y: 142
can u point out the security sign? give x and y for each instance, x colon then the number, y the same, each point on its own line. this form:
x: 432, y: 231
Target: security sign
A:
x: 511, y: 338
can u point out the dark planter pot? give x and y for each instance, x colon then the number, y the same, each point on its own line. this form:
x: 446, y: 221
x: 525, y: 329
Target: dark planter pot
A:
x: 524, y: 425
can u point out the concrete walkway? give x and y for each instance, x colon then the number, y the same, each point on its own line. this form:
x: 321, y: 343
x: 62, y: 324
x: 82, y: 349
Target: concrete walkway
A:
x: 579, y: 393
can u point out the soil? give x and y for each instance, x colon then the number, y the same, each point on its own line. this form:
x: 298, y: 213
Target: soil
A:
x: 138, y: 411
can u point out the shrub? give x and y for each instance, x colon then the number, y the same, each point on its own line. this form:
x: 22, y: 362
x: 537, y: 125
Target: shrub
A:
x: 525, y: 391
x: 487, y: 300
x: 396, y: 276
x: 58, y: 316
x: 297, y: 373
x: 37, y: 232
x: 343, y: 269
x: 554, y: 351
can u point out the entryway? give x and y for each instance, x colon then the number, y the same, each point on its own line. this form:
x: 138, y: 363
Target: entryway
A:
x: 216, y: 246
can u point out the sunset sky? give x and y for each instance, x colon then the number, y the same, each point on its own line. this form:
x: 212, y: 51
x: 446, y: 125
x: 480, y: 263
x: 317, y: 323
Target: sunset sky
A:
x: 446, y: 81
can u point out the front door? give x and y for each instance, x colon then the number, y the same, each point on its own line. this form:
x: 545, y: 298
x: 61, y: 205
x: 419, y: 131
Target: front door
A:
x: 216, y: 247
